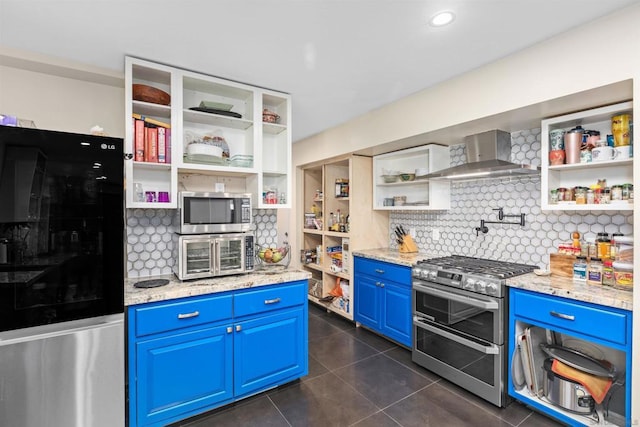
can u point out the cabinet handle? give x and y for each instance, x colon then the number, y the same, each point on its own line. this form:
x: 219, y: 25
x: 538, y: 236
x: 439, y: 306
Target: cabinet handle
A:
x: 229, y: 329
x: 188, y: 315
x: 382, y: 285
x: 238, y: 328
x: 379, y: 271
x: 272, y: 301
x: 378, y: 284
x: 562, y: 316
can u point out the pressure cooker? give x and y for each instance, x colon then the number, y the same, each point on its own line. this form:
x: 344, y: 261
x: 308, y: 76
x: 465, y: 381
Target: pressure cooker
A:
x: 566, y: 393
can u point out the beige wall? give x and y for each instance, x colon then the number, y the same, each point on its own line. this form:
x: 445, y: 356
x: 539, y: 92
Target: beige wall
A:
x: 537, y: 82
x: 61, y: 103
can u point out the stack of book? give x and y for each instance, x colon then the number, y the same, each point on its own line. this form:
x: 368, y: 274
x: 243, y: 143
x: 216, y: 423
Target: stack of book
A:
x: 152, y: 140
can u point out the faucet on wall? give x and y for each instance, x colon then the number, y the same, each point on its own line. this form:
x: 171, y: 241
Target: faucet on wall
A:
x: 501, y: 216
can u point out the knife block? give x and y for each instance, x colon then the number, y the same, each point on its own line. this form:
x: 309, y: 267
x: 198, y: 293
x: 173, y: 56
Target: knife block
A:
x: 408, y: 245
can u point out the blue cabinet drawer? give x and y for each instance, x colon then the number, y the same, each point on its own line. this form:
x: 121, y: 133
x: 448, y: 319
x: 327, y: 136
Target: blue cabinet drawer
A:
x: 383, y: 270
x: 269, y: 298
x: 183, y: 314
x: 573, y: 316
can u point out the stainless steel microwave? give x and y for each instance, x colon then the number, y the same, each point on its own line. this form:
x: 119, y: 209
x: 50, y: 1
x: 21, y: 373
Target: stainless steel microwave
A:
x: 210, y: 255
x: 200, y: 213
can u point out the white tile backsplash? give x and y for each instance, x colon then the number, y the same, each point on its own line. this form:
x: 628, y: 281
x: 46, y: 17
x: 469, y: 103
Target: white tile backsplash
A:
x: 472, y: 201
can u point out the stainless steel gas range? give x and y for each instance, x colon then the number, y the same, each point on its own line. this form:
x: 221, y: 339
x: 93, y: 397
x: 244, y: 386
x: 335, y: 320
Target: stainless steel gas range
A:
x: 460, y: 321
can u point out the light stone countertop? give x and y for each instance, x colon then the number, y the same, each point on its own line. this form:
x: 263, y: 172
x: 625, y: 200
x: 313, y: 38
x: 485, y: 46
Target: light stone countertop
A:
x: 568, y: 288
x: 179, y: 289
x: 393, y: 256
x: 550, y: 285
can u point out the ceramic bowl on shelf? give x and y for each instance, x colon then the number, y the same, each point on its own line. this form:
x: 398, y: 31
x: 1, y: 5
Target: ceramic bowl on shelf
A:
x: 407, y: 176
x: 388, y: 179
x: 270, y: 116
x: 150, y: 94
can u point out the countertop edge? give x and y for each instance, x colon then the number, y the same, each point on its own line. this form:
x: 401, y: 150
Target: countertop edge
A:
x: 179, y: 289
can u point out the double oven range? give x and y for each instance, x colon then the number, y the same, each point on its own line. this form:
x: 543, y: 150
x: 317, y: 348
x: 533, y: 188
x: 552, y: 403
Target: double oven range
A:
x: 460, y: 321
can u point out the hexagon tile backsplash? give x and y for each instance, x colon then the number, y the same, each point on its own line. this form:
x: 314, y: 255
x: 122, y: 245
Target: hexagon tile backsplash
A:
x: 149, y: 245
x: 472, y: 201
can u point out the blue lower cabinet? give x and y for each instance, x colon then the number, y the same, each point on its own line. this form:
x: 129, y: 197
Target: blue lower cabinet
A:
x: 191, y: 355
x: 182, y: 373
x: 587, y: 327
x: 383, y: 298
x: 269, y: 350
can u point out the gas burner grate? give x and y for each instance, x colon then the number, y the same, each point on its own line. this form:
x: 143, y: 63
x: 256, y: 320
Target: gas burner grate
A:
x: 483, y: 266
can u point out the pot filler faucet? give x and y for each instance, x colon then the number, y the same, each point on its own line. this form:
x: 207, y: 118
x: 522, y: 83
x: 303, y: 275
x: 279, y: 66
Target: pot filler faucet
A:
x: 501, y: 216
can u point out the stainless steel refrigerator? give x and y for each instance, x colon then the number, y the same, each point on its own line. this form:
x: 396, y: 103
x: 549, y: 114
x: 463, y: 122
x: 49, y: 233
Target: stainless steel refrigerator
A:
x: 61, y: 279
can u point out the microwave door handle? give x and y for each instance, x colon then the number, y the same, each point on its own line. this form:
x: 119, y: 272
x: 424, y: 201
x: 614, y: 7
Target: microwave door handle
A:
x: 486, y: 305
x: 488, y: 349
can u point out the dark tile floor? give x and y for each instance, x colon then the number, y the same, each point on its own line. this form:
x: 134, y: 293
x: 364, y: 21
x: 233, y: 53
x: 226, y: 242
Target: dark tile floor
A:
x: 357, y: 378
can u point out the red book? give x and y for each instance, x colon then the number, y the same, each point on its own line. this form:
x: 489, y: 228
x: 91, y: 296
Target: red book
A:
x: 138, y: 138
x: 152, y: 145
x: 162, y: 149
x: 167, y: 140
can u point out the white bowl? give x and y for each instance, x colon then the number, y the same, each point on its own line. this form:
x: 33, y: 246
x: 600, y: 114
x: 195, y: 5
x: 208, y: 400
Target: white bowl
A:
x: 204, y: 149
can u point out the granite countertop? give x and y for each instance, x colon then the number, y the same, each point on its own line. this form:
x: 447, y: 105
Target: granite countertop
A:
x: 550, y: 285
x: 179, y: 289
x: 393, y: 256
x: 568, y: 288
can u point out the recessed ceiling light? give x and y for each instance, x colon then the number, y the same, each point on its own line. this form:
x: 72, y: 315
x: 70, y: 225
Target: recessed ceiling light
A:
x: 442, y: 18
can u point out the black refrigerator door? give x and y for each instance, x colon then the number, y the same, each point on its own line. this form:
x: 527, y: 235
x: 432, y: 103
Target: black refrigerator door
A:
x: 61, y: 227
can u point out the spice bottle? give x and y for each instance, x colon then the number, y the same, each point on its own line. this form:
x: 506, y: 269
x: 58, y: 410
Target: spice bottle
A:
x: 604, y: 246
x: 608, y: 278
x: 594, y: 271
x: 580, y: 269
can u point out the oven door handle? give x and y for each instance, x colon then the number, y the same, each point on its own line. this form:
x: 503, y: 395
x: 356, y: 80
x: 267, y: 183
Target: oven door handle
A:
x: 486, y: 305
x: 489, y: 349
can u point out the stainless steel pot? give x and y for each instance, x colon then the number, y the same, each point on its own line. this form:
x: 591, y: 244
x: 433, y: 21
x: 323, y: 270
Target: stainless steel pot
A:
x: 566, y: 393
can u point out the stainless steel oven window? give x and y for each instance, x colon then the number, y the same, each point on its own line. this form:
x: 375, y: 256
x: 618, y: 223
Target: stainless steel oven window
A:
x: 471, y: 314
x: 197, y: 256
x: 231, y: 255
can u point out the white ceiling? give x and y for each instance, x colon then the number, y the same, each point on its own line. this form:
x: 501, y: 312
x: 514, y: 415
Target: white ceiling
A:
x: 337, y: 58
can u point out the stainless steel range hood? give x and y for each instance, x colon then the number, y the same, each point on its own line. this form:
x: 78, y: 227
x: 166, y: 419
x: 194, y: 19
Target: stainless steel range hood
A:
x: 488, y: 156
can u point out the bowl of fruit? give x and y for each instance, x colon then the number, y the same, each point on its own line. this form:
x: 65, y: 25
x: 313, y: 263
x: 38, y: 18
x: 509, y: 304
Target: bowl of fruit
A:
x: 271, y: 256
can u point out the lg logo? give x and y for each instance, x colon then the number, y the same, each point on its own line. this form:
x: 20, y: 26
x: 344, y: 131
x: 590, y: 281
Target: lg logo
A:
x: 108, y: 146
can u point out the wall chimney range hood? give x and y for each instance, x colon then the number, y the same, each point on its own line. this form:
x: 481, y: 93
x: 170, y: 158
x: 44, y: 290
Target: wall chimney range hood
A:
x: 488, y: 156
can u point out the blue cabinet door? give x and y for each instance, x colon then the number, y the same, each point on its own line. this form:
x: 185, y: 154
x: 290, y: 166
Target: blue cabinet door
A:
x: 270, y: 350
x: 367, y: 304
x: 395, y: 316
x: 180, y: 374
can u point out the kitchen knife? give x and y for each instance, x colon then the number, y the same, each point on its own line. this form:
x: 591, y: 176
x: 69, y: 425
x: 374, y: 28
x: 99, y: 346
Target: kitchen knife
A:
x: 398, y: 233
x: 402, y: 230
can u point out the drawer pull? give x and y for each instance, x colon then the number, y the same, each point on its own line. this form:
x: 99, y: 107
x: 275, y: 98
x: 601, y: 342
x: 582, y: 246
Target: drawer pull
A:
x: 379, y: 271
x: 229, y: 329
x: 238, y: 328
x: 272, y: 301
x: 562, y: 316
x: 188, y: 315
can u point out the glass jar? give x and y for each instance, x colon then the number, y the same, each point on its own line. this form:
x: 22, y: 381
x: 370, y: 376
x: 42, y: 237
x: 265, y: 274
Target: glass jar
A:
x: 597, y: 192
x: 580, y: 195
x: 627, y: 189
x: 553, y: 197
x: 616, y: 193
x: 608, y: 278
x: 561, y: 194
x: 594, y: 271
x: 591, y: 197
x: 605, y: 197
x: 604, y: 246
x: 580, y: 269
x: 592, y: 251
x: 613, y: 251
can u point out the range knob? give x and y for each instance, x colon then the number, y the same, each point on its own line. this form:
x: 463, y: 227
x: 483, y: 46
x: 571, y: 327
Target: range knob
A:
x: 433, y: 274
x: 416, y: 272
x: 481, y: 286
x: 469, y: 284
x: 492, y: 289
